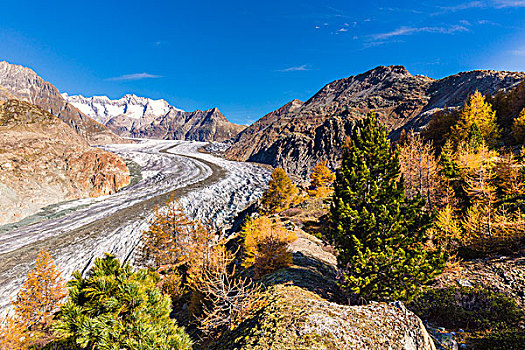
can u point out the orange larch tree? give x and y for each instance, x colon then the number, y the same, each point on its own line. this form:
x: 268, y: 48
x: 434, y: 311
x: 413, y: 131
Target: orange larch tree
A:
x: 42, y: 292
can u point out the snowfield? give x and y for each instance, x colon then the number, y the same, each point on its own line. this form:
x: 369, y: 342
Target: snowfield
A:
x: 210, y: 189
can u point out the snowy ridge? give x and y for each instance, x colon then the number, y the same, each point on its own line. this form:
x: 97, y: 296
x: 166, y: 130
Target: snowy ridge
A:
x: 102, y: 108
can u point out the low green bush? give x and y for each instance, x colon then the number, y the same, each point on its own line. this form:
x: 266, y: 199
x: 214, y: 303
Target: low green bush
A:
x: 491, y: 320
x: 467, y: 307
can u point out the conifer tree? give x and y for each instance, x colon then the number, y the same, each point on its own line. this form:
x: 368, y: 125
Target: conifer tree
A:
x: 510, y: 176
x: 42, y: 292
x: 446, y: 231
x: 379, y: 233
x: 477, y: 111
x: 280, y: 193
x: 172, y: 238
x: 421, y: 170
x: 116, y: 308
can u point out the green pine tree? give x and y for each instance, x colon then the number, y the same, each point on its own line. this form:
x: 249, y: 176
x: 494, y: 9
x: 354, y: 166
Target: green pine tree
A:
x: 475, y: 138
x: 378, y: 232
x: 115, y: 308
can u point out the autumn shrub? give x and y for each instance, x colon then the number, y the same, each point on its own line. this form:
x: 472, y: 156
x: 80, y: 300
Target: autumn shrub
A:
x: 280, y: 194
x: 266, y: 245
x: 226, y: 297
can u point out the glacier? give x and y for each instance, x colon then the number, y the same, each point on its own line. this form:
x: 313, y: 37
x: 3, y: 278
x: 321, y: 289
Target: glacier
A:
x: 208, y: 187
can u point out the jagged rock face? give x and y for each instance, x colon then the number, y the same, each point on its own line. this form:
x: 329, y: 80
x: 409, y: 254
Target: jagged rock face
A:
x: 24, y: 84
x: 134, y: 116
x: 43, y: 161
x: 298, y: 135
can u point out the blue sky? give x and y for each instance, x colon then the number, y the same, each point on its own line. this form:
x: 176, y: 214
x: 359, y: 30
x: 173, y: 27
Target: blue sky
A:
x: 250, y: 57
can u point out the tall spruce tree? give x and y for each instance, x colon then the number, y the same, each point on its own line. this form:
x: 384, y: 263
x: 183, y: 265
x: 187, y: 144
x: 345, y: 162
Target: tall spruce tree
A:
x: 378, y: 232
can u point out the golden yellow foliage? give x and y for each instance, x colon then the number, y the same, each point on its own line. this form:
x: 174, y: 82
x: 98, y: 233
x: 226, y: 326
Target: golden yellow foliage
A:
x: 227, y: 298
x: 471, y: 161
x: 518, y: 127
x: 321, y: 180
x: 476, y: 111
x: 172, y: 238
x: 321, y: 192
x: 421, y: 171
x: 42, y: 292
x: 446, y: 230
x: 280, y: 193
x: 12, y: 334
x: 474, y: 222
x: 266, y: 245
x: 509, y: 176
x: 503, y: 232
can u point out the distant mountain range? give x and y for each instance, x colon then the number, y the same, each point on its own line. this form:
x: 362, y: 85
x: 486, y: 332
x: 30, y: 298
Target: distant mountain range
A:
x: 18, y: 82
x: 134, y: 116
x: 299, y: 134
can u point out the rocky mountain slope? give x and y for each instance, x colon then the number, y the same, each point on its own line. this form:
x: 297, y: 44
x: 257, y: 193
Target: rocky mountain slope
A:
x: 298, y: 135
x: 24, y: 84
x: 43, y: 161
x: 134, y: 116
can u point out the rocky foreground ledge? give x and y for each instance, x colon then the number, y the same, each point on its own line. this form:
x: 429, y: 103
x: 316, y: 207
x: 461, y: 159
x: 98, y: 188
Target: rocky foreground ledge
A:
x: 300, y: 313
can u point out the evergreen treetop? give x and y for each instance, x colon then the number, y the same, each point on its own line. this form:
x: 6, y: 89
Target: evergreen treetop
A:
x: 116, y: 308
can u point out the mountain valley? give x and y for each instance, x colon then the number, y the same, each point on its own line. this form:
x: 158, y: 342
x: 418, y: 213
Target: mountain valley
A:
x: 86, y: 179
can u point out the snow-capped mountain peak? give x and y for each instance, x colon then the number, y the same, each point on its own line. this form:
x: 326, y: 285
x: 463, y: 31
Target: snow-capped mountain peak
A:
x: 102, y: 108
